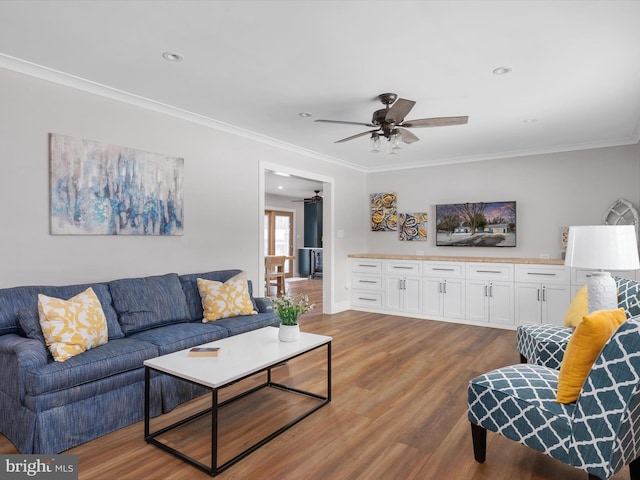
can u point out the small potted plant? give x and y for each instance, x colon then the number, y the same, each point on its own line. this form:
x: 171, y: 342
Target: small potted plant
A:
x: 289, y: 310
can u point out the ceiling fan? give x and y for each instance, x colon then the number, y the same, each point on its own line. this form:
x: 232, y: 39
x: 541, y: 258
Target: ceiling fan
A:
x: 315, y: 199
x: 390, y: 122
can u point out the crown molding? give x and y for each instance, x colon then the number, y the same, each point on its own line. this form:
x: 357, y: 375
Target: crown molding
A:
x: 61, y: 78
x: 48, y: 74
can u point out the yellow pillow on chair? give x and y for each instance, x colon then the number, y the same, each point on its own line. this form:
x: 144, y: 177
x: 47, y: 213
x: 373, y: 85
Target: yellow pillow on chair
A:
x: 582, y: 350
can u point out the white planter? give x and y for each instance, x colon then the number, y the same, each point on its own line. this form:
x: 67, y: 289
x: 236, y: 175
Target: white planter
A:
x: 289, y: 333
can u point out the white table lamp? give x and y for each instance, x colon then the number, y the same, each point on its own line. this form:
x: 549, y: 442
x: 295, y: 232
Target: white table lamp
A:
x: 602, y: 247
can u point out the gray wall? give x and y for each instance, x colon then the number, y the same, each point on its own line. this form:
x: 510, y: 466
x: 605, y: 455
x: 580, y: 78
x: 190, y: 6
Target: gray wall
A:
x: 551, y: 191
x: 223, y: 208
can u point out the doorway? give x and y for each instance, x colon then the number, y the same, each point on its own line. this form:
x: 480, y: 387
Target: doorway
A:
x: 271, y: 198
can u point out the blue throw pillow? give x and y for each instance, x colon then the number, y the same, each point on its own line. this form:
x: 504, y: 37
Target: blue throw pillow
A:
x: 30, y: 324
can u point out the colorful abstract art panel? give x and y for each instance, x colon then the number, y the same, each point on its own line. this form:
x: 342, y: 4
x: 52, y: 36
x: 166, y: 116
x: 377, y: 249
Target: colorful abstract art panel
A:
x: 412, y: 226
x: 384, y: 214
x: 103, y: 189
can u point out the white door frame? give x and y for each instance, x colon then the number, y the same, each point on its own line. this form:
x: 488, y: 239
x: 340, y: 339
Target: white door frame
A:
x: 328, y: 222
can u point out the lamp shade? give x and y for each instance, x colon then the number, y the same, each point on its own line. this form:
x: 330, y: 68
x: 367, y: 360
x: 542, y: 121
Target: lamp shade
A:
x: 603, y: 247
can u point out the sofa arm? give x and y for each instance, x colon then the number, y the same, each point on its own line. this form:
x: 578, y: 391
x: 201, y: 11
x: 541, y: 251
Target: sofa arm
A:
x: 264, y: 305
x: 17, y: 356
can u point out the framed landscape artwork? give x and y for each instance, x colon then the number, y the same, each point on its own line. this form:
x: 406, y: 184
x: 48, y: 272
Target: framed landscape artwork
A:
x: 480, y: 224
x: 104, y: 189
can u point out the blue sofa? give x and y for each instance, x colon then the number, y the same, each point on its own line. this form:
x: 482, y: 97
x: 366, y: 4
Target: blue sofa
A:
x: 47, y: 407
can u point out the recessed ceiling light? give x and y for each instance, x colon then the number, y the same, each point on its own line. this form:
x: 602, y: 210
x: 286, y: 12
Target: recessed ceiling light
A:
x: 304, y: 114
x: 172, y: 56
x: 530, y: 120
x: 501, y: 70
x: 280, y: 187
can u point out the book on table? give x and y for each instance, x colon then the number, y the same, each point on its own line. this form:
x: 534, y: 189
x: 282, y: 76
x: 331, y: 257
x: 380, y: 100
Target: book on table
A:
x: 204, y: 351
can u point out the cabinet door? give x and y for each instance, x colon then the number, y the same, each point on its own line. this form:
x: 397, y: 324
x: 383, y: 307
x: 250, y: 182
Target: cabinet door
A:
x: 431, y: 296
x: 453, y: 298
x: 477, y: 300
x: 501, y: 303
x: 412, y: 295
x: 556, y: 300
x: 392, y: 292
x: 528, y: 299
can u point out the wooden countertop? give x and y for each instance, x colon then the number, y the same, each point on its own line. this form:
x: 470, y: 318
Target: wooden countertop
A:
x: 532, y: 261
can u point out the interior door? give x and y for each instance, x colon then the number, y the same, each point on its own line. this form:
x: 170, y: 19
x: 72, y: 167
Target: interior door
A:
x: 278, y: 236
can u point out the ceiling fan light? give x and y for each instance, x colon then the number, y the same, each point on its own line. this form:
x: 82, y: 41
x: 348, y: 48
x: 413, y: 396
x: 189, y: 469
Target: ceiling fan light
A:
x: 375, y: 143
x: 392, y: 146
x: 397, y: 141
x: 394, y: 143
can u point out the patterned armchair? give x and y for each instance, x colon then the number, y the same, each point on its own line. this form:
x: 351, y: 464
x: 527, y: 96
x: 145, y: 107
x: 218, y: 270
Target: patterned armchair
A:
x: 545, y: 344
x: 599, y: 433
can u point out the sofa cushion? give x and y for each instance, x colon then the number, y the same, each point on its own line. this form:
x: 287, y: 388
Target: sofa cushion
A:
x: 190, y: 288
x: 72, y: 326
x: 148, y: 302
x: 71, y: 396
x: 114, y: 357
x: 172, y: 338
x: 12, y: 300
x: 246, y: 323
x: 225, y: 299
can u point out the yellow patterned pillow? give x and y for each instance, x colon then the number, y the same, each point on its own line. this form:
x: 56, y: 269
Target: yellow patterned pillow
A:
x: 223, y: 300
x: 72, y: 326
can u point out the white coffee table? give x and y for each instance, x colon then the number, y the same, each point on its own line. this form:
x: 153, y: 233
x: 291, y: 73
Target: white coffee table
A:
x: 240, y: 357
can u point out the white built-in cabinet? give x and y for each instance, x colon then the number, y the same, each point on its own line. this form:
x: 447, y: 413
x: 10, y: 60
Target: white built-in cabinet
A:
x: 366, y: 283
x: 403, y: 286
x: 490, y: 293
x: 502, y: 294
x: 443, y: 288
x: 580, y: 276
x: 542, y: 293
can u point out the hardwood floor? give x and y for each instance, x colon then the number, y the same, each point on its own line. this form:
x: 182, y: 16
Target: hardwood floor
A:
x: 398, y: 412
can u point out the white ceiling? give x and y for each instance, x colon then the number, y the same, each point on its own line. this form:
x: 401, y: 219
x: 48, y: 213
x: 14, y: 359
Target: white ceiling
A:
x: 252, y: 66
x: 295, y: 188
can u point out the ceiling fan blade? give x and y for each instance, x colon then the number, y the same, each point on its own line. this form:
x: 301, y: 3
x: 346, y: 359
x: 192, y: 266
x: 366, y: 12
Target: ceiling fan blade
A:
x: 407, y: 136
x: 399, y: 110
x: 357, y: 135
x: 435, y: 122
x: 346, y: 122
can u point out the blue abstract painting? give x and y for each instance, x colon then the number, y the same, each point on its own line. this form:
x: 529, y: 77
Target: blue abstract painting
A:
x: 103, y: 189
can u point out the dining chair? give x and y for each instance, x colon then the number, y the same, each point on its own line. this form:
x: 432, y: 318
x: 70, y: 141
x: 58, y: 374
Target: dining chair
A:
x: 274, y: 273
